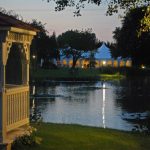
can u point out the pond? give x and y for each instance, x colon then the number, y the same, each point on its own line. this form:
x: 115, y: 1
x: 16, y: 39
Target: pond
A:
x: 123, y: 105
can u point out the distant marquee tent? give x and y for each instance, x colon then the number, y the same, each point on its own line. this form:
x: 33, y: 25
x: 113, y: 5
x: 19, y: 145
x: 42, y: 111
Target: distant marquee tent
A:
x: 102, y: 58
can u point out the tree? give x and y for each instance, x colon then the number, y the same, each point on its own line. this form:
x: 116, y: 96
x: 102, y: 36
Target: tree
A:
x: 113, y: 49
x: 53, y: 46
x: 92, y: 61
x: 40, y: 43
x: 75, y: 43
x: 145, y: 22
x: 127, y: 40
x: 43, y: 45
x: 113, y: 7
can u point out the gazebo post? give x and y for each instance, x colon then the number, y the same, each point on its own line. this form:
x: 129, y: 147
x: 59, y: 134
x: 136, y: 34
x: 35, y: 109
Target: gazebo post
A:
x: 24, y: 72
x: 3, y: 118
x: 5, y: 48
x: 25, y: 64
x: 3, y: 99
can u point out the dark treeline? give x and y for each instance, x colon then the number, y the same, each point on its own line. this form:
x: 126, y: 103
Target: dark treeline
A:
x: 70, y: 44
x: 128, y: 42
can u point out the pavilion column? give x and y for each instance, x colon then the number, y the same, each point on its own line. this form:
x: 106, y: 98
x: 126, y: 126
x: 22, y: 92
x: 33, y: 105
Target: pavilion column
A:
x: 3, y: 102
x: 1, y: 90
x: 3, y: 76
x: 5, y: 48
x: 25, y: 72
x: 24, y: 68
x: 3, y: 65
x: 25, y: 63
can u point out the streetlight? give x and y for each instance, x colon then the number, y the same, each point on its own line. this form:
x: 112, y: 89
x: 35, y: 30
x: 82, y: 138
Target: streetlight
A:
x: 34, y: 57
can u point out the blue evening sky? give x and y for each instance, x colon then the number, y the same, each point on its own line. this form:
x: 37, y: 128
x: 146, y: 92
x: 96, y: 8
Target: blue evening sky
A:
x: 92, y: 17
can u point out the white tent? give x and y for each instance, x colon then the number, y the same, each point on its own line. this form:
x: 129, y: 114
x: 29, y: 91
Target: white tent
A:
x: 103, y: 52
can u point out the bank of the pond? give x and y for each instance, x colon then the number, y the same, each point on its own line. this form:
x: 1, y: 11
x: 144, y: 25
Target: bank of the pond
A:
x: 76, y: 137
x: 75, y: 75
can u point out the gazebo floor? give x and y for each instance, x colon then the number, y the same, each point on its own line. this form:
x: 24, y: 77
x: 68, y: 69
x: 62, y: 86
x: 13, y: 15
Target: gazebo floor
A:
x: 12, y: 135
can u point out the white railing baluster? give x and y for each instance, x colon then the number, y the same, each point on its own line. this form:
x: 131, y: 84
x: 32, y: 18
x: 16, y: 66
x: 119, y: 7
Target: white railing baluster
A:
x: 17, y: 107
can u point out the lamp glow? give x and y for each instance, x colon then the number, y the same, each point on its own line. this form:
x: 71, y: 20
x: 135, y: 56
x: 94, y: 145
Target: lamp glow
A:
x: 33, y: 56
x: 104, y: 62
x: 143, y: 67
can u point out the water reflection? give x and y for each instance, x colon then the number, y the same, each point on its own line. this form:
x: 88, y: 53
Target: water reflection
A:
x: 100, y: 104
x: 103, y: 107
x: 134, y: 95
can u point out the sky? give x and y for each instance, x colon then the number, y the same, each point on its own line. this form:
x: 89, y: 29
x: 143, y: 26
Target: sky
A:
x: 92, y: 17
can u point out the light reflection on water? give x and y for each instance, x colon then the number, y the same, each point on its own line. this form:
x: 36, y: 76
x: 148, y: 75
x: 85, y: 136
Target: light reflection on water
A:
x: 92, y: 104
x: 103, y: 107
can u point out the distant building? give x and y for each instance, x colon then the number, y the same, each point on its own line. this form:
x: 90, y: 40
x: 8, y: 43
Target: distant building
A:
x: 102, y: 58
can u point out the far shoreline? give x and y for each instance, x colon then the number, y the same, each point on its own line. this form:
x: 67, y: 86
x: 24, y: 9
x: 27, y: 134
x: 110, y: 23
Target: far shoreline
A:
x: 79, y: 75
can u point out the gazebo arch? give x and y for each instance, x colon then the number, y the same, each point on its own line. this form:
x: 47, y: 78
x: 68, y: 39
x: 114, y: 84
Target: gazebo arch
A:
x: 14, y: 98
x: 14, y: 61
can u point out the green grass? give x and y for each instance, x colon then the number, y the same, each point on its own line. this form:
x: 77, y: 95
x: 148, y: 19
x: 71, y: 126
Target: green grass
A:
x: 80, y: 74
x: 64, y: 73
x: 115, y: 76
x: 75, y: 137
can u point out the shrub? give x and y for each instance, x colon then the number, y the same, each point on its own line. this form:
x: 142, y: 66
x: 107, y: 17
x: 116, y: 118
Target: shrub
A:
x: 27, y: 140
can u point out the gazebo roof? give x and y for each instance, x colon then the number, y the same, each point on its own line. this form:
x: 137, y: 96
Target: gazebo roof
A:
x: 10, y: 21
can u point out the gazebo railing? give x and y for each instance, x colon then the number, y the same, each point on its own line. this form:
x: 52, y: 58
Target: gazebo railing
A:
x: 17, y: 106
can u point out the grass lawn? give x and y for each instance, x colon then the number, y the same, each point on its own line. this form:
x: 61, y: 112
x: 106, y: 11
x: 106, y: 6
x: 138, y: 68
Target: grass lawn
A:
x: 75, y: 137
x: 79, y: 74
x: 115, y: 76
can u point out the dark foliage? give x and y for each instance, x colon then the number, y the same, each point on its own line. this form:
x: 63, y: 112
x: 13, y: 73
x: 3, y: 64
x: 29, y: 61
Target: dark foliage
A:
x: 74, y: 43
x: 129, y: 43
x: 44, y: 46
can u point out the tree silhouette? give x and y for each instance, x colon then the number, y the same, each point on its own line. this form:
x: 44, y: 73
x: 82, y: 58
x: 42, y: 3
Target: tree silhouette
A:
x: 113, y: 7
x: 75, y: 43
x: 129, y: 43
x: 44, y: 46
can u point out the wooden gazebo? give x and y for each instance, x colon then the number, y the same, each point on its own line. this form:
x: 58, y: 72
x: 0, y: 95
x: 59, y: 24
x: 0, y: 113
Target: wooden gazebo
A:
x: 15, y: 40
